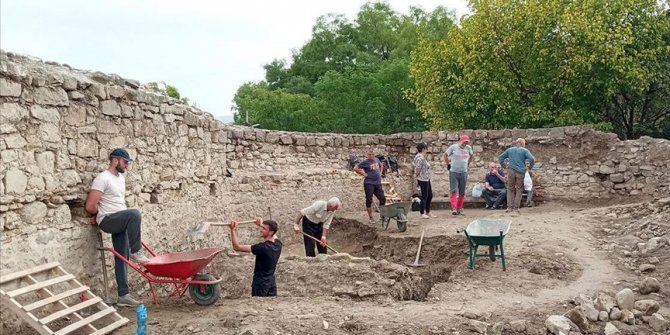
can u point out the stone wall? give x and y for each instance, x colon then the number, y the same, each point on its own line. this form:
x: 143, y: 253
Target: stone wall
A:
x: 58, y: 125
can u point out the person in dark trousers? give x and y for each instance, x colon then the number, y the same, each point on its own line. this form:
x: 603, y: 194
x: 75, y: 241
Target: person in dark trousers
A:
x: 520, y: 159
x: 106, y: 202
x: 371, y: 169
x: 316, y: 220
x: 267, y: 255
x: 494, y: 192
x: 423, y: 173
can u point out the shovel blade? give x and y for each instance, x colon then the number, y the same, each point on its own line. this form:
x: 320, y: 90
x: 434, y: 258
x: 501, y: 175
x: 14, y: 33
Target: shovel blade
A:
x: 200, y: 228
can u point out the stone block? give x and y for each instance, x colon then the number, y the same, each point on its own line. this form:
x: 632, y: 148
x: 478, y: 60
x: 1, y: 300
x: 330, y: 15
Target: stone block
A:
x: 116, y: 91
x: 86, y: 147
x: 45, y: 114
x: 110, y: 107
x: 15, y: 181
x: 15, y: 141
x: 34, y: 212
x: 49, y: 132
x: 53, y: 96
x: 106, y: 127
x: 98, y: 91
x: 12, y: 113
x: 75, y: 116
x: 9, y: 88
x: 45, y: 161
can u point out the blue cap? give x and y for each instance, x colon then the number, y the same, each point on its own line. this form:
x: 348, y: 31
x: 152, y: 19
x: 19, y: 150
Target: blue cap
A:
x: 120, y: 153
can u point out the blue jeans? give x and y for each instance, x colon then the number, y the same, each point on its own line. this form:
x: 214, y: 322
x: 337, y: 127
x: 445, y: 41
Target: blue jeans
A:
x: 126, y: 231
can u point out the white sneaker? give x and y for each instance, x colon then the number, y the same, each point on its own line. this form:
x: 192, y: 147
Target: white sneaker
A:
x: 127, y: 301
x: 139, y: 257
x: 425, y: 216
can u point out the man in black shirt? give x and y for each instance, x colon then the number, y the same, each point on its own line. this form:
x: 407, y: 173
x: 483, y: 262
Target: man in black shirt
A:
x: 267, y: 254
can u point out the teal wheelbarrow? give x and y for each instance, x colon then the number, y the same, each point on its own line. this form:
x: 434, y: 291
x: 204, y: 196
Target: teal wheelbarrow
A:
x: 398, y: 212
x: 486, y: 232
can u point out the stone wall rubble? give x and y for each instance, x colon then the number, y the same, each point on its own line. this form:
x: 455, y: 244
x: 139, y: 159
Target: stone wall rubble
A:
x: 58, y: 125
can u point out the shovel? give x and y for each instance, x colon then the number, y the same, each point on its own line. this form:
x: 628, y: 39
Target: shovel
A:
x: 203, y: 227
x: 418, y: 253
x: 317, y: 241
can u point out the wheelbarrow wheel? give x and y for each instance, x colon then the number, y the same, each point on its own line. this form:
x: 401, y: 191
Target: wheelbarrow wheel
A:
x: 402, y: 222
x: 204, y: 295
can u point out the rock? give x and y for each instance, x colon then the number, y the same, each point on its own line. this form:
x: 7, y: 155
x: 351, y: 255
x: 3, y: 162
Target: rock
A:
x: 655, y: 243
x: 647, y: 306
x: 15, y: 141
x: 558, y: 324
x: 615, y: 314
x: 9, y: 88
x: 518, y: 326
x: 627, y: 317
x: 132, y: 83
x: 12, y: 113
x: 34, y: 212
x: 625, y: 299
x: 604, y: 302
x: 604, y: 169
x: 307, y: 316
x: 45, y: 161
x: 325, y: 325
x: 617, y: 178
x: 578, y: 316
x: 477, y: 326
x: 591, y: 312
x: 110, y: 107
x: 647, y: 267
x: 583, y: 299
x: 497, y: 328
x: 15, y: 181
x: 649, y: 285
x: 653, y: 260
x: 45, y: 114
x: 603, y: 316
x: 610, y: 329
x: 658, y: 323
x: 54, y: 96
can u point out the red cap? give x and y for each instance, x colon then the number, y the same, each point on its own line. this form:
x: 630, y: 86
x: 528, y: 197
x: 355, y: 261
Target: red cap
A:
x: 465, y: 138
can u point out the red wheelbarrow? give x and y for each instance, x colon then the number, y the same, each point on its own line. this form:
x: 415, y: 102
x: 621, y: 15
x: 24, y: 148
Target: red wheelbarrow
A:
x: 180, y: 269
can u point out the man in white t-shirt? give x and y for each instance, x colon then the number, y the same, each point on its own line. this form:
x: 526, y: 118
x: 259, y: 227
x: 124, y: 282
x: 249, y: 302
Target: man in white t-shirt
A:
x: 316, y: 220
x: 106, y: 202
x: 458, y: 157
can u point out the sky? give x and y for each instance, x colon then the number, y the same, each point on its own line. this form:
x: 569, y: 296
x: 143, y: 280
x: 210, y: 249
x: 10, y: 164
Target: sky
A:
x: 205, y: 48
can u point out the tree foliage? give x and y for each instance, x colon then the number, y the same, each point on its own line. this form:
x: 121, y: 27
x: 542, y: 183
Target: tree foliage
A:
x: 541, y: 63
x: 168, y: 90
x: 350, y: 77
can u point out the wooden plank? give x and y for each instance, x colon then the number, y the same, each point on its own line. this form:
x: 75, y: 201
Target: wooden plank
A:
x: 67, y: 311
x: 21, y: 274
x: 54, y: 298
x: 28, y: 317
x: 59, y: 304
x: 111, y: 327
x: 86, y: 321
x: 40, y: 285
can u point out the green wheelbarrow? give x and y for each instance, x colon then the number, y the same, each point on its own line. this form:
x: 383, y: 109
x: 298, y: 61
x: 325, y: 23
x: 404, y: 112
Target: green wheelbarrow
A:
x: 397, y: 211
x: 486, y: 232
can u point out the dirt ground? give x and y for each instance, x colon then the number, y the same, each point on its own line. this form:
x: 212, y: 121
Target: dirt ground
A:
x: 555, y: 252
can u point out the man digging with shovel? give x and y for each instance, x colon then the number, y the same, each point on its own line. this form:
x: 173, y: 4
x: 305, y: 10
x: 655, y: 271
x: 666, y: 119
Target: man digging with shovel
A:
x: 316, y: 220
x: 267, y: 254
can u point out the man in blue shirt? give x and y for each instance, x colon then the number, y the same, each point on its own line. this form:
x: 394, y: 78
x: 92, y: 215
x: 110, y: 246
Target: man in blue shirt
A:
x: 494, y: 192
x: 371, y: 169
x: 518, y: 155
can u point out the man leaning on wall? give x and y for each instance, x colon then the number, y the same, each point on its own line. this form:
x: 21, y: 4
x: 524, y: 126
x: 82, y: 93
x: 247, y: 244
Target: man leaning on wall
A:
x: 106, y: 202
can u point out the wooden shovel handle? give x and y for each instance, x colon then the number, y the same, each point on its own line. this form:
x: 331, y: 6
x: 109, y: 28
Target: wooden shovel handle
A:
x: 219, y: 223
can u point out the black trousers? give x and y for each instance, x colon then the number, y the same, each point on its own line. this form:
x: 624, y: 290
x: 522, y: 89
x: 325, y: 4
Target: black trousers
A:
x: 263, y: 288
x: 315, y: 230
x: 377, y: 190
x: 426, y: 196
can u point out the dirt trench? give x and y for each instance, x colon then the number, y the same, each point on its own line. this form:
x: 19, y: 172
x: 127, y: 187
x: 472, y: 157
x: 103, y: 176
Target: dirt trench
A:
x: 371, y: 265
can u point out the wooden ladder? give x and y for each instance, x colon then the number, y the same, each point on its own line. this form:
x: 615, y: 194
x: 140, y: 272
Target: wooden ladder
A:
x: 19, y: 284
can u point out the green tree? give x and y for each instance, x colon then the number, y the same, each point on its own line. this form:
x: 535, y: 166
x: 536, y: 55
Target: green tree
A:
x: 539, y: 63
x: 351, y: 75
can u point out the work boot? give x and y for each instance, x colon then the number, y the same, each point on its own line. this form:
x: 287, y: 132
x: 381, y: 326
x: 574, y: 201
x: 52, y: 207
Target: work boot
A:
x: 127, y: 301
x: 139, y: 257
x: 460, y: 211
x: 454, y: 212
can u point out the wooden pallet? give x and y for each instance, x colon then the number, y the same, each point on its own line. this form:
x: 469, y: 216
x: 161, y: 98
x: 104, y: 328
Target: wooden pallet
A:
x: 19, y: 284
